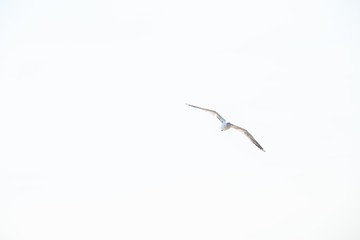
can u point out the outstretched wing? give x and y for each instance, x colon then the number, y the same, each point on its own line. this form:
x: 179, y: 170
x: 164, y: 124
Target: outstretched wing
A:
x: 248, y: 135
x: 211, y: 111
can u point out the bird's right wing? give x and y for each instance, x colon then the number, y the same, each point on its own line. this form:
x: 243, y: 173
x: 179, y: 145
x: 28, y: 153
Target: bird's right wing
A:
x: 248, y: 135
x: 222, y: 120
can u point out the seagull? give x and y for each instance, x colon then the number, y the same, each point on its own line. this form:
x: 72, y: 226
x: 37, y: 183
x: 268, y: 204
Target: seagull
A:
x: 227, y: 125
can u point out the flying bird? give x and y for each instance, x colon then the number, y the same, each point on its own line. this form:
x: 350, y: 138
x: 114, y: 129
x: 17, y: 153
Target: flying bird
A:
x: 227, y: 125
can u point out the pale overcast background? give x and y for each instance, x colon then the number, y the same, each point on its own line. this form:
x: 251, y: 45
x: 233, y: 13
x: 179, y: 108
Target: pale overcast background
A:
x: 97, y: 142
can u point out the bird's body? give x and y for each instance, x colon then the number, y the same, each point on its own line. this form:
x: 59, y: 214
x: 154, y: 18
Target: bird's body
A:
x: 227, y: 125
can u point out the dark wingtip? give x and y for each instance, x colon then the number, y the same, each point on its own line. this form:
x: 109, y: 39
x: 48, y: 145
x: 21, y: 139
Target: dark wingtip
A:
x: 260, y: 147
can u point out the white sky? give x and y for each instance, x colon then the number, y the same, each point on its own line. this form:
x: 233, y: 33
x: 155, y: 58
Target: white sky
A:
x: 97, y: 142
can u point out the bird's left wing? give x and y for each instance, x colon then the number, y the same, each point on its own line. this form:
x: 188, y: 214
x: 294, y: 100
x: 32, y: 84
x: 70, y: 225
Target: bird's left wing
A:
x: 248, y: 135
x: 211, y: 111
